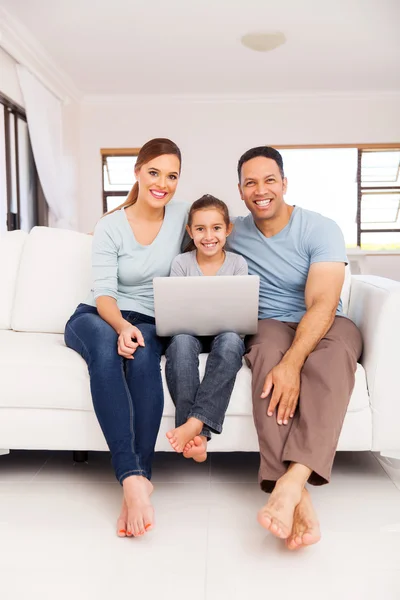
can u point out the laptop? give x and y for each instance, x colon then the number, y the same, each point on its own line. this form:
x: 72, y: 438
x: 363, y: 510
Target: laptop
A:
x: 206, y: 305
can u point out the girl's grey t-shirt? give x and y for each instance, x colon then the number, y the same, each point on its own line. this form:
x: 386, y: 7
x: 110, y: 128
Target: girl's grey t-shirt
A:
x: 186, y: 265
x: 124, y: 269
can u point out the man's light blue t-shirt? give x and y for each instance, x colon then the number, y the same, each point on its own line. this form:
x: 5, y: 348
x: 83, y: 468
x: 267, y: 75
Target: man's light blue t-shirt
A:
x: 283, y: 260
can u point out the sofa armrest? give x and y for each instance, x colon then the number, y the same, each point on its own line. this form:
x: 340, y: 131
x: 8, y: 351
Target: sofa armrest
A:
x: 375, y: 308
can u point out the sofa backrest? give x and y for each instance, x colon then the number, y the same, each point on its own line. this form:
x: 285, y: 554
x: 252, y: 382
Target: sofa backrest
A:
x: 54, y: 277
x: 11, y: 245
x: 46, y: 274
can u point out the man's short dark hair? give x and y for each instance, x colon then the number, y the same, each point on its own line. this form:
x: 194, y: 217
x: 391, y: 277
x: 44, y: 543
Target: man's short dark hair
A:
x: 266, y: 152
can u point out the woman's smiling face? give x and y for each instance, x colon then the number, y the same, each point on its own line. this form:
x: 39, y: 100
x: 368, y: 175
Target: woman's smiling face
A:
x: 158, y: 180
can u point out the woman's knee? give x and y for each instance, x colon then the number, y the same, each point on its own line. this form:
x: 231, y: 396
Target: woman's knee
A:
x: 93, y: 338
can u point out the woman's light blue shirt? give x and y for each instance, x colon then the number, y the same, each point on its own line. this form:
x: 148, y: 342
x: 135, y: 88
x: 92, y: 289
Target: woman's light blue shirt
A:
x: 124, y: 269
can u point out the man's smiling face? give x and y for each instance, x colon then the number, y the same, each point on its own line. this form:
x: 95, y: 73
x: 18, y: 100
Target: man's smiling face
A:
x: 262, y: 187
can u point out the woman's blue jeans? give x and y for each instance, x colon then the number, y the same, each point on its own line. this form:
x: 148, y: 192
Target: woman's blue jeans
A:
x: 127, y: 394
x: 208, y: 400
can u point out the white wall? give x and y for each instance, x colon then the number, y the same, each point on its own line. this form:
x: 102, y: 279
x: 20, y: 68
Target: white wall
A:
x: 9, y: 84
x: 213, y: 134
x: 71, y: 123
x: 384, y: 265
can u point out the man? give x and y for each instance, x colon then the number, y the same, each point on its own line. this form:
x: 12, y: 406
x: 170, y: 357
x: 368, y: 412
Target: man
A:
x: 304, y: 355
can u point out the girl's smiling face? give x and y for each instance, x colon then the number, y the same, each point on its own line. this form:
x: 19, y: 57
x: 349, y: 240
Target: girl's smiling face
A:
x: 208, y: 231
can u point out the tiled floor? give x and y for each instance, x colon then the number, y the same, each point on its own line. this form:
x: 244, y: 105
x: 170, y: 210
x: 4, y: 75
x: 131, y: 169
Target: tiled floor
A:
x: 57, y: 538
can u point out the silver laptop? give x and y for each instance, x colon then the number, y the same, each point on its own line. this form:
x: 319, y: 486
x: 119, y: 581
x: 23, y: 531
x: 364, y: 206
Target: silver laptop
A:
x: 206, y: 305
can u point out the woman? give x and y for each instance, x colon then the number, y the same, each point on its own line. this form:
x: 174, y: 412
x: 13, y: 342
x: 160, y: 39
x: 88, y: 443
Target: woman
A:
x: 114, y: 330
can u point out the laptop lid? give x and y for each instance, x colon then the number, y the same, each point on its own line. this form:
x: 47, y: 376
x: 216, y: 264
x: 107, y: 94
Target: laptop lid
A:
x: 206, y: 305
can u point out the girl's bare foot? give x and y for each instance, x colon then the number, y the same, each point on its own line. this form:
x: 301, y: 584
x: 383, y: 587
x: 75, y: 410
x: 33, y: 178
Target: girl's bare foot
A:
x: 305, y: 529
x: 196, y: 449
x: 180, y: 436
x: 139, y: 515
x: 277, y: 514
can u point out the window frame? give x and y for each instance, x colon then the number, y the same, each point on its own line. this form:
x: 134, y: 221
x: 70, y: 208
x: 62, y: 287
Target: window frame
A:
x: 14, y: 219
x: 105, y: 153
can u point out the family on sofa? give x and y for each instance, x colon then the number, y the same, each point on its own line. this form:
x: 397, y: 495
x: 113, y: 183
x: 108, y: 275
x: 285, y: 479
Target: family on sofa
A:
x: 303, y: 357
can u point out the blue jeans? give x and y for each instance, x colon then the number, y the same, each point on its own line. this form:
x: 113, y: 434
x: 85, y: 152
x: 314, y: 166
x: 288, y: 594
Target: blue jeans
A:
x: 127, y: 394
x: 208, y: 400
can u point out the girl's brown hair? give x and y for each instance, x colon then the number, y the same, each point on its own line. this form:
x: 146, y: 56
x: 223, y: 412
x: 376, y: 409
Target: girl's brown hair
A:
x: 148, y: 152
x: 203, y: 203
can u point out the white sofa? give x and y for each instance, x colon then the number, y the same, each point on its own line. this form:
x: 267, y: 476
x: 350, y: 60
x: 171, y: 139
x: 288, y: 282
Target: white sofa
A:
x: 45, y: 401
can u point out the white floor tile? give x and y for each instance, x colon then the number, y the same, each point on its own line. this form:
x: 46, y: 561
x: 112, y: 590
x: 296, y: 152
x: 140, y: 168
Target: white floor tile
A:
x: 171, y: 467
x: 57, y: 532
x: 287, y: 584
x: 391, y: 467
x: 67, y: 530
x: 21, y: 466
x: 60, y: 467
x: 234, y: 466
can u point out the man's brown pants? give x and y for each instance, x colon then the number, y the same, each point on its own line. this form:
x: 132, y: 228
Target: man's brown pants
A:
x: 327, y: 381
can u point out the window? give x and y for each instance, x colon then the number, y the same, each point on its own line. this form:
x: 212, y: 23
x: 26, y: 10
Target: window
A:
x: 19, y: 186
x: 379, y: 197
x: 118, y: 167
x: 359, y: 188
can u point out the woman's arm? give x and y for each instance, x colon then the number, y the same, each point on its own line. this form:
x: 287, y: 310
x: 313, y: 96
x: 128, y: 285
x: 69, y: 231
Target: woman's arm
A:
x: 108, y: 310
x: 105, y: 289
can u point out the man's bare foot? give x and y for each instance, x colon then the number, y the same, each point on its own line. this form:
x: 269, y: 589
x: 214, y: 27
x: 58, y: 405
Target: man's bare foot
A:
x: 139, y: 515
x: 180, y: 436
x: 305, y: 529
x: 277, y: 514
x: 196, y: 449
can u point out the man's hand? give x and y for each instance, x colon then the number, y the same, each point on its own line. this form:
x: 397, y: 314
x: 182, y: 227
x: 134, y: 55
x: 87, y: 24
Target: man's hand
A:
x: 126, y: 345
x: 285, y: 381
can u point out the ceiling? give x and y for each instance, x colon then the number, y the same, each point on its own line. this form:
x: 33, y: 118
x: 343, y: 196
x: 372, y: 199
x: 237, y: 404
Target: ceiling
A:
x: 193, y: 46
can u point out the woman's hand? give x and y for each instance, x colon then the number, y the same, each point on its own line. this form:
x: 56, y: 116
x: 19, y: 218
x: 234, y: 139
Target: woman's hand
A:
x: 129, y: 339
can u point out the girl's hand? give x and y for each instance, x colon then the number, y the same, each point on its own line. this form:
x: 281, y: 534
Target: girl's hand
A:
x: 128, y: 340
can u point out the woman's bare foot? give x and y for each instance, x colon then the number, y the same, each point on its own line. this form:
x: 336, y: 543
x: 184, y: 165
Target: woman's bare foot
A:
x: 122, y: 519
x: 277, y: 514
x: 305, y: 529
x: 139, y: 514
x: 180, y: 436
x: 196, y: 449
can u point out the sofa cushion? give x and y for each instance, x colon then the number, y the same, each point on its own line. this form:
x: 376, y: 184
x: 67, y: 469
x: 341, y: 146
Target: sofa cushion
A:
x: 54, y: 277
x: 54, y: 376
x: 11, y: 245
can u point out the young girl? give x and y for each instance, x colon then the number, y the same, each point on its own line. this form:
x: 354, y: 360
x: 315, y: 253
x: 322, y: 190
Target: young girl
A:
x: 201, y: 407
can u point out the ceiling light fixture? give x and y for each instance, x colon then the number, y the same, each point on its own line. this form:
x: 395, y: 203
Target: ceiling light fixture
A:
x: 263, y: 41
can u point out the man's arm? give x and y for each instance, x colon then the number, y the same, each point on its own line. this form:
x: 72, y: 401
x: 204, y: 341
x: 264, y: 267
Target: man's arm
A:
x: 322, y: 295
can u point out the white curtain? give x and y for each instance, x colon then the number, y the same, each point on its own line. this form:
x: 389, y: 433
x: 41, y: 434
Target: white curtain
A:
x: 44, y: 115
x: 3, y: 186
